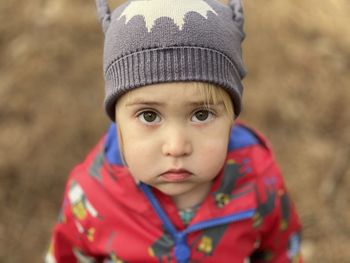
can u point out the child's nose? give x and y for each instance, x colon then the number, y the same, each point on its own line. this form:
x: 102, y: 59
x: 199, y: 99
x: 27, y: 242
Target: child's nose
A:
x: 177, y: 143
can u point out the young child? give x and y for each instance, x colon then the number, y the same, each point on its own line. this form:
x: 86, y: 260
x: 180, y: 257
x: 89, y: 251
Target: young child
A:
x: 176, y: 178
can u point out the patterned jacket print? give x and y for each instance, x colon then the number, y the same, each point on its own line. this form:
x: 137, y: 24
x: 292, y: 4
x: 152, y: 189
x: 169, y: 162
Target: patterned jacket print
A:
x: 247, y: 216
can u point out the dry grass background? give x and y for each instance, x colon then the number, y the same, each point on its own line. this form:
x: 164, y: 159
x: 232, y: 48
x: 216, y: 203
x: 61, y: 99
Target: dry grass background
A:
x: 51, y: 91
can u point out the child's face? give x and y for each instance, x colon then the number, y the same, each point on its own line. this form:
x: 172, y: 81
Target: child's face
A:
x: 172, y: 140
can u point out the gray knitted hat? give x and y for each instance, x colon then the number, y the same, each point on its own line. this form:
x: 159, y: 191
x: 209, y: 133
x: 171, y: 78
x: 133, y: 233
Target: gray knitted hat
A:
x: 155, y: 41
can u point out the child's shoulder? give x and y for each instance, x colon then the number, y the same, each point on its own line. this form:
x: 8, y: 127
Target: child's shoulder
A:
x: 252, y: 151
x: 243, y: 136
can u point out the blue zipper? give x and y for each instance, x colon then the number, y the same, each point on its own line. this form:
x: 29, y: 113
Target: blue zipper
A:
x: 221, y: 221
x: 181, y: 250
x: 160, y: 212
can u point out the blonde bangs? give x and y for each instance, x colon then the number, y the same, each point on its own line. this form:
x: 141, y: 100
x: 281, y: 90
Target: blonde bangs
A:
x: 213, y: 94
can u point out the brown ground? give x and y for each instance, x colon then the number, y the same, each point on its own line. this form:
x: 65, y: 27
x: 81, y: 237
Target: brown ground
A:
x: 51, y: 90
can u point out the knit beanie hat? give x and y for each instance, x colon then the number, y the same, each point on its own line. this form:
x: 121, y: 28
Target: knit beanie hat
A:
x: 157, y: 41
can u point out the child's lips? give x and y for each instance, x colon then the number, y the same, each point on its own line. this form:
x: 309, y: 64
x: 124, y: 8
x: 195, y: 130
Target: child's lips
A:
x: 176, y: 175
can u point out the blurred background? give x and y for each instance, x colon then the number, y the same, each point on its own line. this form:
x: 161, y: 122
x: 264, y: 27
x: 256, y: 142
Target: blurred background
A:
x: 297, y: 93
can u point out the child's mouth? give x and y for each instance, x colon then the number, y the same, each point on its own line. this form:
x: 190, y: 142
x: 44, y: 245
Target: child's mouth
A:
x: 176, y: 175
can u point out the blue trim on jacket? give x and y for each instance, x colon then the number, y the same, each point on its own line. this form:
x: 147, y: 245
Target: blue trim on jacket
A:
x: 112, y: 147
x: 240, y: 137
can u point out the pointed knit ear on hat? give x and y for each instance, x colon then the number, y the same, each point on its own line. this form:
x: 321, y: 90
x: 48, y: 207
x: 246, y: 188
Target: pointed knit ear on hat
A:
x: 238, y: 16
x: 103, y: 14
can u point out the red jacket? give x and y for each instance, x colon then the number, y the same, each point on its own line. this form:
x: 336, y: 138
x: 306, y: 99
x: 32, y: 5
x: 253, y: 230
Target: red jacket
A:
x: 247, y: 217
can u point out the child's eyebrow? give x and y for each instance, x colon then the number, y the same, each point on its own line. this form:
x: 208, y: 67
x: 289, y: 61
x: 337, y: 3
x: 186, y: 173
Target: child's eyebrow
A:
x: 144, y: 102
x: 205, y: 103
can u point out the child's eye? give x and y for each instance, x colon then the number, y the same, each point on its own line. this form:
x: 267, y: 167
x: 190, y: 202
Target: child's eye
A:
x: 202, y: 116
x: 148, y: 117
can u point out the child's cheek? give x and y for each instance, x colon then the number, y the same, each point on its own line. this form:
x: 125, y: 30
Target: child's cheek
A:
x: 213, y: 154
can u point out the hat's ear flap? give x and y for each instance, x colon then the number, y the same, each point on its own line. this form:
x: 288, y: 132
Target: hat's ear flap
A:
x: 103, y: 14
x: 238, y: 16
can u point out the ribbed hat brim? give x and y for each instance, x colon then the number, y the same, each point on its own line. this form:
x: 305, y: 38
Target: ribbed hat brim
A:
x: 171, y: 64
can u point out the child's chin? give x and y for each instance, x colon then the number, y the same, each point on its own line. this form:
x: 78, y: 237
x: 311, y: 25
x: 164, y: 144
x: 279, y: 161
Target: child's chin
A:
x: 174, y: 188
